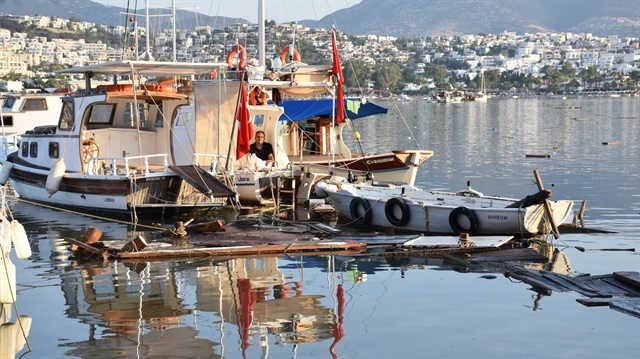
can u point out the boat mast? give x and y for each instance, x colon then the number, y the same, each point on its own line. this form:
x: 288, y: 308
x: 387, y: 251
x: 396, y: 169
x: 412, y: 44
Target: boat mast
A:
x: 261, y: 25
x: 173, y: 18
x: 147, y: 54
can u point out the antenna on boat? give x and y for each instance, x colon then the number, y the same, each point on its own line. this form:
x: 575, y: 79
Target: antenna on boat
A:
x: 261, y: 42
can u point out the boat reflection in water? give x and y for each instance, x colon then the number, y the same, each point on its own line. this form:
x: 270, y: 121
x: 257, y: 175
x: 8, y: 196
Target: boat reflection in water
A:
x: 143, y: 308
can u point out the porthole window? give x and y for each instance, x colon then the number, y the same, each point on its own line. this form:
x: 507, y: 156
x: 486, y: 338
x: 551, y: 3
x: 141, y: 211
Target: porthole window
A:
x: 33, y: 149
x: 25, y: 149
x: 54, y: 150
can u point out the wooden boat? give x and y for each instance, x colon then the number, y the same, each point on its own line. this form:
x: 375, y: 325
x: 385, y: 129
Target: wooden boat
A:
x: 103, y: 155
x: 307, y: 144
x: 409, y: 208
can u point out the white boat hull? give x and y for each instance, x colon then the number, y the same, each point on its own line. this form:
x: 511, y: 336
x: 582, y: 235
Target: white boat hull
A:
x: 411, y: 209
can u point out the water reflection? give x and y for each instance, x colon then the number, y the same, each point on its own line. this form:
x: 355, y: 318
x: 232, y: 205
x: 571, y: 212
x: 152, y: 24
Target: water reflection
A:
x: 13, y: 334
x: 159, y: 308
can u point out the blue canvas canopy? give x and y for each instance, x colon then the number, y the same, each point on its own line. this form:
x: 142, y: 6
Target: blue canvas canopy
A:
x: 298, y: 110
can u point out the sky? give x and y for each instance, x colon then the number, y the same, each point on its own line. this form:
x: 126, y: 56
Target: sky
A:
x: 279, y: 10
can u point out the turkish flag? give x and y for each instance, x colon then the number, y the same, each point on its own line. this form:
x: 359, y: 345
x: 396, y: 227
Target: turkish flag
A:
x: 245, y: 126
x: 337, y: 71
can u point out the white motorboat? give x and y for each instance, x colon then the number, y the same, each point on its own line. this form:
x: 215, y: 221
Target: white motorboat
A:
x: 22, y: 112
x: 111, y: 149
x: 409, y: 208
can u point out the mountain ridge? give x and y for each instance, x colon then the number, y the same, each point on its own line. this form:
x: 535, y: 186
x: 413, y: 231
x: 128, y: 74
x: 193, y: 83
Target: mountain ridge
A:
x: 416, y: 18
x: 400, y: 18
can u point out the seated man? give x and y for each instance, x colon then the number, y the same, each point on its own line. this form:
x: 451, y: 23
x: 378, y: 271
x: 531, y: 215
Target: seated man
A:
x: 263, y: 150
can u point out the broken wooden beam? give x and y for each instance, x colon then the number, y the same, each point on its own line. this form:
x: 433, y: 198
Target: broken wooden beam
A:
x: 547, y: 206
x: 285, y: 248
x: 102, y: 252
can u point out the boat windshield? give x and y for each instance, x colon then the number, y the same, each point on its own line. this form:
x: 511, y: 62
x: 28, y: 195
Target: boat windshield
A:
x: 66, y: 116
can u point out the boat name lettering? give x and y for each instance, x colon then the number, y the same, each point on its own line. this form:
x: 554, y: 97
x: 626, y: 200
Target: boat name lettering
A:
x: 149, y: 179
x: 111, y: 200
x: 243, y: 179
x: 498, y: 217
x: 380, y: 160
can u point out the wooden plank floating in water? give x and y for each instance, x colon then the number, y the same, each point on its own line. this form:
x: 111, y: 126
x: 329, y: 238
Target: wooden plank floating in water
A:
x: 580, y: 118
x: 612, y: 143
x: 285, y: 248
x: 626, y: 306
x: 537, y: 156
x: 453, y: 241
x: 504, y: 255
x: 632, y: 278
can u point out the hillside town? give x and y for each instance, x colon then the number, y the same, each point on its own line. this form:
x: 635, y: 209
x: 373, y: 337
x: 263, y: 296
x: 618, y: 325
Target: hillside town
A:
x: 541, y: 61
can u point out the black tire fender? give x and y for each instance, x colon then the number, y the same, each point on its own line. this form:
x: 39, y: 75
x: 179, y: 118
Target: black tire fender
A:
x: 455, y: 224
x: 360, y: 218
x: 389, y: 211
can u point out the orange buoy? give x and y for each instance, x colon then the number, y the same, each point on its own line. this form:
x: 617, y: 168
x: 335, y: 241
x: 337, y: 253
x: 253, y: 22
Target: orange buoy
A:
x: 243, y: 57
x: 285, y: 50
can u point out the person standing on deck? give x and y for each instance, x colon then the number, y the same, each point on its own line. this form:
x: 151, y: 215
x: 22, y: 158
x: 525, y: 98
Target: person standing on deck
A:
x: 263, y: 150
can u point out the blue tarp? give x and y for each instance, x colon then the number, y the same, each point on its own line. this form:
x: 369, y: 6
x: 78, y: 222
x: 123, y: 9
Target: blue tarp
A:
x: 298, y: 110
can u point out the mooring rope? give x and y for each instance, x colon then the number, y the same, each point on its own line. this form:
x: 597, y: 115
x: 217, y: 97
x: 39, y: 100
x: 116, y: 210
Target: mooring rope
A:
x: 91, y: 215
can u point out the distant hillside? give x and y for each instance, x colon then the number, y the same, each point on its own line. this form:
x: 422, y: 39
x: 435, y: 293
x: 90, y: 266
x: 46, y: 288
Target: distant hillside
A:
x: 400, y: 18
x: 90, y: 11
x: 414, y: 18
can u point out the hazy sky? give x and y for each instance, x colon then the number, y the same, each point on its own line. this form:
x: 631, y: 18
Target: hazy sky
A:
x: 279, y: 10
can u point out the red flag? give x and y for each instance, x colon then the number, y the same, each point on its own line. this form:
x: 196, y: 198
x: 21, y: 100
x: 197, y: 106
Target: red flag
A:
x: 337, y: 71
x: 245, y: 127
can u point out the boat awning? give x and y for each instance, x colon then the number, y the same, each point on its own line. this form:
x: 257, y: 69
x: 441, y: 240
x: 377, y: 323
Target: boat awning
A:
x: 146, y: 68
x: 298, y: 110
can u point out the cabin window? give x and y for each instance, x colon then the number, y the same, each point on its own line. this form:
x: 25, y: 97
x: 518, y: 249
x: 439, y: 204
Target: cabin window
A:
x: 183, y: 116
x: 7, y: 120
x: 66, y: 116
x: 129, y: 118
x: 159, y: 116
x: 101, y: 113
x: 33, y: 149
x: 34, y: 104
x: 54, y: 150
x: 25, y: 149
x: 9, y: 102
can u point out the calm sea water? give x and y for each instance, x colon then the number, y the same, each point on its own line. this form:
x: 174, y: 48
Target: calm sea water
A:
x: 372, y: 307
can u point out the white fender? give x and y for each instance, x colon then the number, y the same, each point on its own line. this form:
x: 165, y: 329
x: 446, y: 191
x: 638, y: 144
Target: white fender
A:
x: 7, y: 289
x: 5, y: 172
x: 55, y: 177
x: 20, y: 240
x: 5, y: 237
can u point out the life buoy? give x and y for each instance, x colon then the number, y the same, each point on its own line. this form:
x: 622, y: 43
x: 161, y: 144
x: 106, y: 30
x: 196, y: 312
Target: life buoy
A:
x: 457, y: 227
x: 243, y: 57
x: 257, y: 97
x: 360, y: 211
x: 405, y: 213
x: 285, y: 50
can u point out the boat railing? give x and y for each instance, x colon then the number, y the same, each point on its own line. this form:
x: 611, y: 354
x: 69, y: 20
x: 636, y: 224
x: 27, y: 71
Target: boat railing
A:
x: 216, y: 163
x: 9, y: 144
x: 117, y: 166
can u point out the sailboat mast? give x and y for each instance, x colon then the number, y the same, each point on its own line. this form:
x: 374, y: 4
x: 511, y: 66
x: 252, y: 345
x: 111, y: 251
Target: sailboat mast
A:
x: 147, y: 55
x: 261, y: 25
x: 173, y: 18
